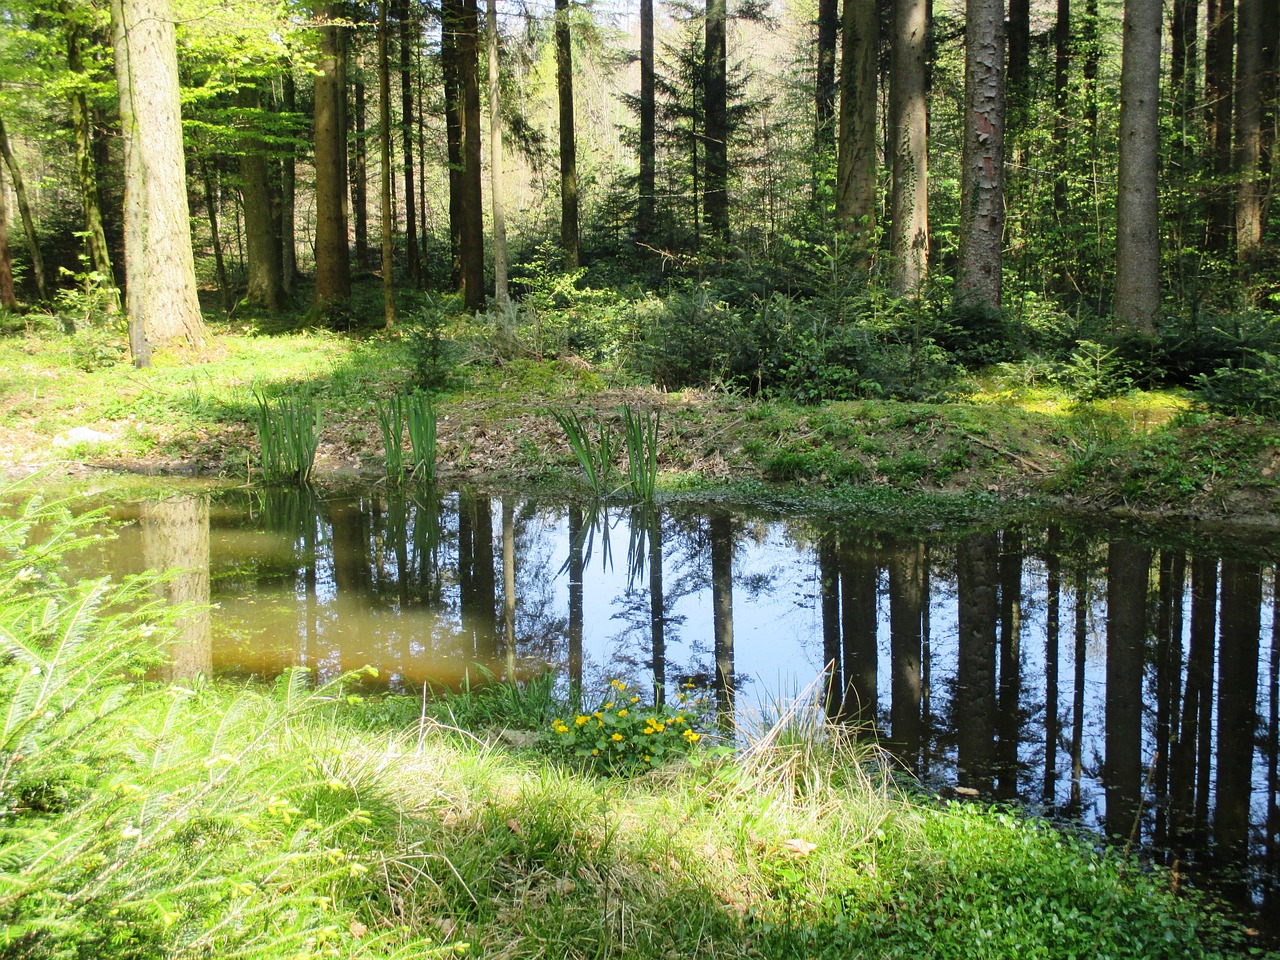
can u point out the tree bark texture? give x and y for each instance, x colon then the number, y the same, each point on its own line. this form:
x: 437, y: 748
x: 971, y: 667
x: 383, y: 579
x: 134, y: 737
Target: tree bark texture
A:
x: 1137, y: 203
x: 8, y: 300
x: 569, y: 241
x: 159, y: 267
x: 980, y: 267
x: 825, y: 79
x: 288, y: 190
x: 500, y: 294
x: 451, y: 25
x: 908, y: 143
x: 856, y: 154
x: 1219, y: 84
x: 408, y: 33
x: 722, y: 546
x: 472, y: 196
x: 333, y: 265
x: 386, y: 216
x: 648, y: 126
x: 1128, y: 566
x: 359, y: 172
x: 262, y: 245
x: 24, y: 211
x: 716, y: 126
x: 1251, y: 75
x: 906, y: 640
x: 974, y: 704
x: 175, y: 536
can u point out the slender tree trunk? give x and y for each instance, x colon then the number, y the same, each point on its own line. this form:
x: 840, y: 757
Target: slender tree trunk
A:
x: 360, y: 170
x: 473, y: 199
x: 1137, y: 204
x: 1052, y: 655
x: 1061, y: 69
x: 575, y: 600
x: 86, y: 172
x: 24, y: 211
x: 979, y: 272
x: 856, y: 180
x: 451, y: 20
x: 161, y: 284
x: 1019, y: 65
x: 1237, y: 708
x: 974, y: 704
x: 1010, y: 689
x: 407, y: 39
x: 1219, y: 85
x: 825, y: 80
x: 829, y: 591
x: 722, y: 615
x: 333, y: 264
x: 1080, y: 591
x: 1128, y: 565
x: 569, y: 241
x: 1251, y: 72
x: 385, y: 213
x: 906, y: 605
x: 908, y: 140
x: 858, y: 576
x: 211, y: 208
x: 265, y: 283
x: 500, y: 294
x: 657, y: 609
x: 509, y: 585
x: 288, y: 191
x: 648, y: 127
x: 8, y: 301
x: 715, y: 100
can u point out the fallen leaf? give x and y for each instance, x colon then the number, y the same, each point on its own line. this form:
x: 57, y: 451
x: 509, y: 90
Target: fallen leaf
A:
x: 514, y: 827
x: 358, y: 929
x: 801, y: 848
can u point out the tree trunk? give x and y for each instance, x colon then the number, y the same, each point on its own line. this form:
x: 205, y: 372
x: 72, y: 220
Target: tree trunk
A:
x: 1219, y: 89
x: 657, y: 608
x: 1052, y: 655
x: 359, y: 172
x: 1018, y: 77
x: 829, y: 591
x: 648, y: 126
x: 1237, y: 708
x: 472, y: 198
x: 908, y: 140
x: 451, y: 25
x: 86, y: 173
x: 288, y: 192
x: 858, y: 576
x: 856, y: 161
x: 161, y: 301
x: 825, y: 80
x: 385, y: 214
x: 1137, y: 204
x: 1010, y: 689
x: 175, y: 537
x: 1128, y: 565
x: 974, y: 704
x: 1250, y: 181
x: 8, y: 301
x: 1061, y: 68
x: 906, y: 639
x: 722, y: 615
x: 333, y: 264
x: 509, y: 585
x: 211, y: 208
x: 265, y: 285
x: 715, y: 101
x: 500, y: 294
x: 407, y: 36
x: 979, y: 271
x: 24, y: 211
x: 569, y: 242
x: 575, y: 601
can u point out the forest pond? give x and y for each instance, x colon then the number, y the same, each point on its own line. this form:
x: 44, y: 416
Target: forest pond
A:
x: 1094, y: 674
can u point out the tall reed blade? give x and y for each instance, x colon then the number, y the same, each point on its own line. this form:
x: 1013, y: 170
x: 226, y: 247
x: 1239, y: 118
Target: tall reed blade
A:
x: 391, y: 420
x: 641, y: 431
x: 288, y: 435
x: 421, y: 416
x: 595, y: 458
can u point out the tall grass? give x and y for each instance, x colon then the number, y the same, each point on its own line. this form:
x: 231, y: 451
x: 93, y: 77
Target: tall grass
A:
x: 422, y: 436
x: 288, y: 436
x: 595, y: 456
x: 391, y: 421
x: 641, y: 432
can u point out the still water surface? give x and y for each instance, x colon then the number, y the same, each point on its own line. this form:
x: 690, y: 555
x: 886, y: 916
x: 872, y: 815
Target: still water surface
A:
x: 1102, y: 676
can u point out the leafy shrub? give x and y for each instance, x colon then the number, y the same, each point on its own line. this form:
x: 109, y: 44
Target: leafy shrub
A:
x: 1251, y: 387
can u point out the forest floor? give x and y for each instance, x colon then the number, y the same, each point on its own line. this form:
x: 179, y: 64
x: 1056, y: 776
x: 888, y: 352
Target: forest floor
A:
x: 74, y: 406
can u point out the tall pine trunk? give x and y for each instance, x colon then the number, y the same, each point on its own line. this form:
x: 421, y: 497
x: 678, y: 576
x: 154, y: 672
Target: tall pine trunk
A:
x: 1250, y: 183
x: 825, y: 80
x: 648, y: 126
x: 262, y: 245
x: 359, y: 172
x: 908, y: 143
x: 288, y: 190
x: 979, y: 272
x: 472, y: 197
x: 24, y: 211
x: 1137, y: 204
x: 856, y: 161
x: 715, y: 99
x: 569, y: 240
x: 333, y: 265
x: 407, y: 35
x: 500, y: 295
x: 161, y: 303
x: 1219, y: 84
x: 387, y: 218
x: 451, y: 25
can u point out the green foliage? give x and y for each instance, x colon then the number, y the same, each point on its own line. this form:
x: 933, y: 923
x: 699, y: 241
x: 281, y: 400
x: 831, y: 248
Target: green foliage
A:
x: 641, y: 434
x: 1095, y: 373
x: 1251, y: 387
x: 288, y: 436
x: 595, y: 457
x: 433, y: 357
x: 487, y: 702
x: 422, y: 435
x: 391, y: 422
x: 623, y: 734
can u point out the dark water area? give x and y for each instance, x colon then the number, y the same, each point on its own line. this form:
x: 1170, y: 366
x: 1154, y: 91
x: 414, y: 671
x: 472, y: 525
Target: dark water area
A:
x: 1107, y: 678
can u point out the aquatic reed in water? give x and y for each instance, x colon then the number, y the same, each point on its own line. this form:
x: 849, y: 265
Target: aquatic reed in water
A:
x: 288, y: 435
x: 641, y: 432
x: 391, y: 420
x: 595, y: 457
x: 421, y: 416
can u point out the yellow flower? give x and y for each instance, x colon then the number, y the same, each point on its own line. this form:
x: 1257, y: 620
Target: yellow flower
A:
x: 617, y: 736
x: 597, y: 714
x: 609, y: 705
x: 620, y: 685
x: 690, y: 685
x: 581, y: 720
x: 691, y: 736
x: 595, y: 753
x: 623, y: 712
x: 635, y: 699
x: 680, y: 718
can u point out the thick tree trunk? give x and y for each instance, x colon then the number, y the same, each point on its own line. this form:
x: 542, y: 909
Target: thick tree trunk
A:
x: 979, y: 272
x: 86, y: 172
x: 175, y: 537
x: 858, y: 577
x: 908, y: 142
x: 648, y: 126
x: 24, y: 211
x: 472, y: 197
x: 387, y: 225
x: 359, y: 172
x: 1137, y: 205
x: 569, y: 242
x: 500, y: 294
x: 407, y: 38
x: 265, y: 283
x: 161, y: 301
x: 1237, y: 708
x: 1219, y: 84
x: 974, y: 704
x: 825, y: 80
x: 1128, y: 565
x: 333, y: 263
x: 856, y: 161
x: 715, y: 101
x: 1251, y: 73
x: 907, y: 599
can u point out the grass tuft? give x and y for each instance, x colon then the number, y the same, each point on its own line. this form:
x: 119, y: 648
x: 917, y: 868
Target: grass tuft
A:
x: 288, y: 437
